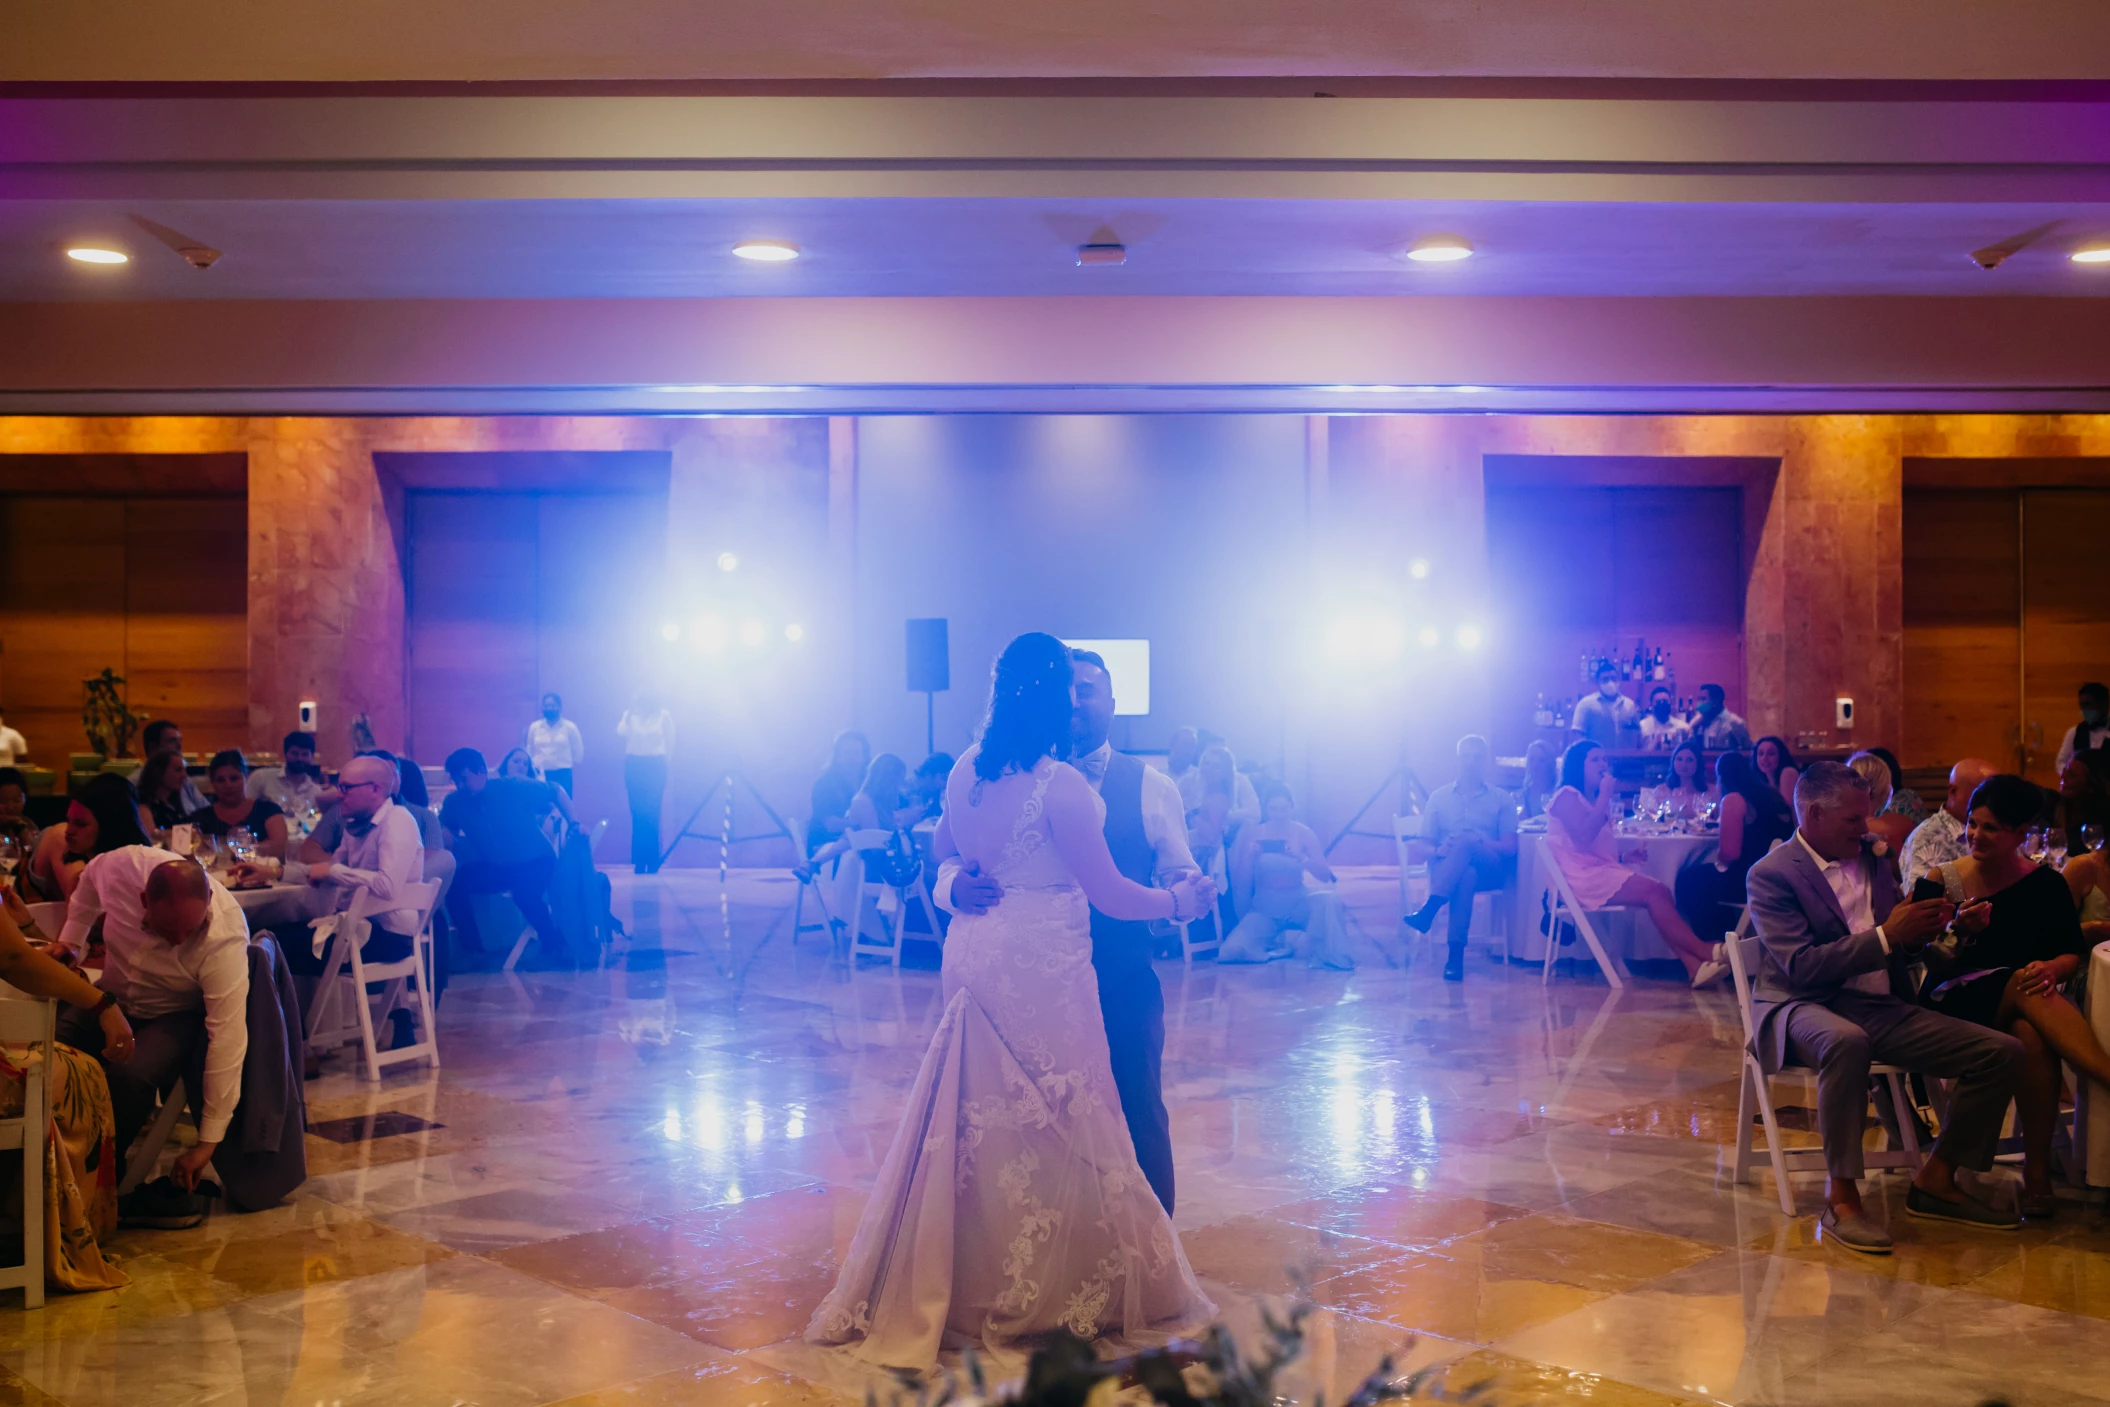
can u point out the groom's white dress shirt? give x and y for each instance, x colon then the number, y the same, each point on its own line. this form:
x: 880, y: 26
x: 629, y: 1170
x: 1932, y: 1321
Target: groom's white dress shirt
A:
x: 1164, y: 821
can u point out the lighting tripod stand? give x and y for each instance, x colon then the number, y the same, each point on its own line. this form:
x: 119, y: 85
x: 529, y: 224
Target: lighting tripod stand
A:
x: 730, y: 784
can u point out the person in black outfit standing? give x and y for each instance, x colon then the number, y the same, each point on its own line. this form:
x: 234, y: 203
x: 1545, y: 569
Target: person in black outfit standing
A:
x: 2016, y: 940
x: 1146, y: 831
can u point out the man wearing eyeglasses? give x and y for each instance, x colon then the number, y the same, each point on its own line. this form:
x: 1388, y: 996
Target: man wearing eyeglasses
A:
x: 380, y: 851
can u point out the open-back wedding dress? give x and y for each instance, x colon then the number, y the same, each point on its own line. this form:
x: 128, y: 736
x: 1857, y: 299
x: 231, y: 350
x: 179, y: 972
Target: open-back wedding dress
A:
x: 1011, y: 1202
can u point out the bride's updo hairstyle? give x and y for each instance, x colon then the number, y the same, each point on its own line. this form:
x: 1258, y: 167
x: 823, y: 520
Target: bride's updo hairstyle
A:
x: 1029, y: 707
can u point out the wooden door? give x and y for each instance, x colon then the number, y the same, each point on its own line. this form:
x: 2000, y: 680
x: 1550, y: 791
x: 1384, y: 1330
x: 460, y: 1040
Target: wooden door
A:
x: 1963, y: 636
x: 2065, y: 614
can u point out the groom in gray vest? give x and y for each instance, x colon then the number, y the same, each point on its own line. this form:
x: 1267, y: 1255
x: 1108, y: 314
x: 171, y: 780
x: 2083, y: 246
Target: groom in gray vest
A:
x: 1146, y: 829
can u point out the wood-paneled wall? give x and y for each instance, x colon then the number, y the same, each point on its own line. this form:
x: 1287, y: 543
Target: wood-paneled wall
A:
x: 152, y: 587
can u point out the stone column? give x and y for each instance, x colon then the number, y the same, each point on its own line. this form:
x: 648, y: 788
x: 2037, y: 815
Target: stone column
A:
x: 1824, y: 611
x: 326, y: 601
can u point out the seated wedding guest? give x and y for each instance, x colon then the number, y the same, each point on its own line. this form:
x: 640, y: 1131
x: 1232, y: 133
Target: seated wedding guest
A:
x: 1836, y: 939
x: 520, y: 766
x: 320, y: 843
x: 1776, y: 764
x: 1885, y: 825
x: 176, y: 958
x: 494, y: 827
x: 379, y: 850
x: 298, y: 783
x: 78, y: 1201
x: 162, y: 782
x: 14, y: 811
x: 2020, y: 939
x: 104, y: 816
x: 2087, y: 876
x: 1471, y: 824
x: 1904, y: 801
x: 1219, y: 799
x: 164, y: 736
x: 1939, y: 839
x: 233, y: 806
x: 1542, y: 778
x: 554, y: 745
x: 1608, y: 717
x: 13, y: 746
x: 2084, y: 799
x: 1660, y: 729
x: 1279, y: 915
x: 1754, y: 818
x: 1685, y: 786
x: 832, y: 790
x: 1582, y: 834
x: 647, y: 731
x: 927, y: 788
x: 2093, y: 731
x: 1714, y: 726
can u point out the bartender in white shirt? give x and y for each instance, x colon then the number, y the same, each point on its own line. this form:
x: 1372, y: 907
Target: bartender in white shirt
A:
x: 176, y: 957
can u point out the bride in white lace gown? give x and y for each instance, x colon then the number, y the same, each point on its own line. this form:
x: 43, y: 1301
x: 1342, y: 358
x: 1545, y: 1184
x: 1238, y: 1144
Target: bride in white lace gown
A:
x: 1011, y: 1202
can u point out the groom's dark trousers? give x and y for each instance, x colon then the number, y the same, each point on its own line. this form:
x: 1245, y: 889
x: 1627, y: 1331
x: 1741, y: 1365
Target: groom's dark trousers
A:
x: 1130, y: 1000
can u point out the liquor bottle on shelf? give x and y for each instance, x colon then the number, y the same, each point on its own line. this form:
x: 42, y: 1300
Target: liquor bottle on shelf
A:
x: 1542, y: 716
x: 1640, y: 658
x: 1660, y: 669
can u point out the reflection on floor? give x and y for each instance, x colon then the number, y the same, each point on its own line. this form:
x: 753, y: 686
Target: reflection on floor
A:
x: 631, y: 1187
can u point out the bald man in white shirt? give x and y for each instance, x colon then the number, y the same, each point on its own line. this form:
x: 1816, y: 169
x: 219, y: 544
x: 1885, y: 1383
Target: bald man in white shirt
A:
x: 176, y: 957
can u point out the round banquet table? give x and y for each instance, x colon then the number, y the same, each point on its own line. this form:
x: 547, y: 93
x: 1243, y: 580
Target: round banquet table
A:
x: 283, y: 905
x: 1630, y: 934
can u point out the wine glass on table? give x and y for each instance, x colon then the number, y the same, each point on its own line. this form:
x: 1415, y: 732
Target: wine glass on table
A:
x: 10, y: 859
x: 2033, y: 844
x: 2055, y: 847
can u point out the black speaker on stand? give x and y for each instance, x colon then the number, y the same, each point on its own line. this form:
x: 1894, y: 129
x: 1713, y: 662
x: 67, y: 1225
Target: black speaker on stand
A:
x: 929, y: 672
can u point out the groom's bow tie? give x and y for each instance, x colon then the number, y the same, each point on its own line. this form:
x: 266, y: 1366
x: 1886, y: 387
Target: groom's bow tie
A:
x: 1093, y: 767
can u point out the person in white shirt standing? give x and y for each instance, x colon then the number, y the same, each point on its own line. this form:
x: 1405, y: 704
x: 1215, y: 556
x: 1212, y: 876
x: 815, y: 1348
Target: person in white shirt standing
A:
x: 13, y: 746
x: 554, y: 745
x: 2093, y: 731
x: 647, y: 731
x: 176, y: 957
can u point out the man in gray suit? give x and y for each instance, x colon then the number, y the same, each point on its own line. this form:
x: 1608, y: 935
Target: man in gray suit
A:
x: 1828, y: 996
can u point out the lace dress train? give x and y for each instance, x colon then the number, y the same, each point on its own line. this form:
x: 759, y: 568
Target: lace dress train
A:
x: 1011, y: 1202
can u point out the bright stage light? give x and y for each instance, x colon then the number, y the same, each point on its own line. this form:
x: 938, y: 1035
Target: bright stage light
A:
x: 1418, y: 568
x: 727, y: 562
x: 670, y: 632
x: 708, y: 633
x: 1429, y: 637
x: 97, y: 254
x: 1468, y: 637
x: 1387, y: 637
x: 794, y: 632
x: 1342, y: 637
x: 752, y: 633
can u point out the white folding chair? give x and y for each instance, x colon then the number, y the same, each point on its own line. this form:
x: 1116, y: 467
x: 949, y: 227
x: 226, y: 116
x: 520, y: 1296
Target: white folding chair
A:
x: 30, y: 1021
x: 812, y: 883
x: 1405, y: 831
x: 881, y: 901
x: 145, y: 1152
x: 1218, y: 871
x: 1566, y: 905
x: 406, y: 978
x: 527, y: 932
x: 1755, y: 1088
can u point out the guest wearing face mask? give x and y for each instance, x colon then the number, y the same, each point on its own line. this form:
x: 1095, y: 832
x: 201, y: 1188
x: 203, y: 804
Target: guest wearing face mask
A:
x: 2093, y: 731
x: 1716, y: 728
x: 1607, y: 718
x: 1660, y: 729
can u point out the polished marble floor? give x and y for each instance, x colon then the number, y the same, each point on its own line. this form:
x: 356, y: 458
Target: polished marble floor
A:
x: 631, y: 1187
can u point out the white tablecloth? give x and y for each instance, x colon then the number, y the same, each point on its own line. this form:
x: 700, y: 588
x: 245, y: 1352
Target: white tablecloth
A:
x: 1633, y: 937
x: 283, y: 904
x: 2097, y: 1133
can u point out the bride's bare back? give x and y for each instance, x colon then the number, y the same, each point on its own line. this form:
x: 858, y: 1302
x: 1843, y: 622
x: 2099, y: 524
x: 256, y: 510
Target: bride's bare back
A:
x: 1043, y: 829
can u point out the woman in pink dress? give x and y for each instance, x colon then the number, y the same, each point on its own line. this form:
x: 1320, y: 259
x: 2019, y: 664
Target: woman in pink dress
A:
x: 1581, y: 833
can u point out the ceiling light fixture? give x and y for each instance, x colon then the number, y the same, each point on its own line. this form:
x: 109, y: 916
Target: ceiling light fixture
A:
x: 1440, y: 249
x: 767, y: 251
x: 98, y: 254
x: 2093, y: 254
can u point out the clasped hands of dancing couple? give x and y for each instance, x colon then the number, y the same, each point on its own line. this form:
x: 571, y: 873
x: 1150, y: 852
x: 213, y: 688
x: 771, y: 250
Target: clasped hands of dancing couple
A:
x: 1029, y: 1184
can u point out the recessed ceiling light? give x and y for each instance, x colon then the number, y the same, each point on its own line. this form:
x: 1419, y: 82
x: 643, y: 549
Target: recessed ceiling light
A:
x: 1440, y: 249
x: 98, y: 254
x: 2093, y: 254
x: 767, y: 251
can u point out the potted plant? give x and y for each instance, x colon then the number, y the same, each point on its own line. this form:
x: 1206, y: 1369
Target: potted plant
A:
x: 107, y: 719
